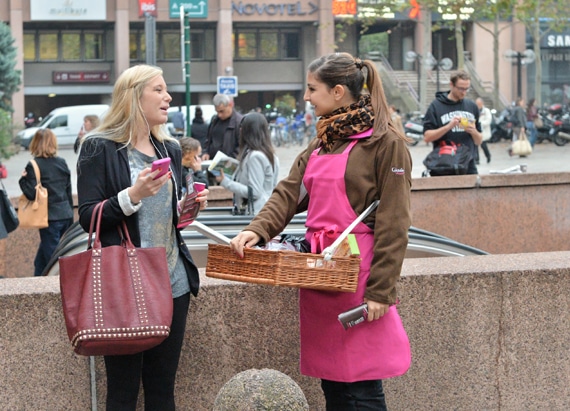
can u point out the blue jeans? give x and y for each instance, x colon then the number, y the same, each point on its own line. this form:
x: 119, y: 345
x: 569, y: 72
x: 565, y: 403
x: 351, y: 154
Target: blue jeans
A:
x: 354, y: 396
x: 532, y: 132
x: 49, y: 239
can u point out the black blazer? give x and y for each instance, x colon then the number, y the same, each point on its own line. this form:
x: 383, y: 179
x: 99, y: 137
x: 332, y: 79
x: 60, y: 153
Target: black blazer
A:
x: 102, y: 172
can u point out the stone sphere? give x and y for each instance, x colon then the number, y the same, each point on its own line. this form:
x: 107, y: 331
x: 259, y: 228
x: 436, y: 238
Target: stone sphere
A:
x: 261, y: 390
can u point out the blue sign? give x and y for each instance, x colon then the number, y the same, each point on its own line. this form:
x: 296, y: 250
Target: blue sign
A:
x: 228, y: 85
x: 195, y: 9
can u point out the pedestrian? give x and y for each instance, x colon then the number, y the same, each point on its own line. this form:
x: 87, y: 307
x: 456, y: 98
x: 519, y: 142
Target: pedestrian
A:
x: 56, y: 178
x: 199, y: 128
x: 358, y: 157
x: 90, y: 122
x: 531, y: 116
x: 453, y: 118
x: 518, y: 121
x: 192, y: 160
x: 223, y: 131
x: 115, y: 165
x: 178, y: 122
x: 258, y: 169
x: 485, y: 118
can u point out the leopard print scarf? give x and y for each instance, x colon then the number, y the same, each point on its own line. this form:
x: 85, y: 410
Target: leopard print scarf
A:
x: 345, y: 122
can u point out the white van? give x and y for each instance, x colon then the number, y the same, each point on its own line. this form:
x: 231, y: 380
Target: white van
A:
x: 65, y: 122
x: 208, y: 111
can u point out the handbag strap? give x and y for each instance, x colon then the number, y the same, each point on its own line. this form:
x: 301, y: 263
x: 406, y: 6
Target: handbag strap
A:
x: 38, y: 178
x: 95, y: 225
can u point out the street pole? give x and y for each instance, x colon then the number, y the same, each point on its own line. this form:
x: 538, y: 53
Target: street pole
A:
x: 187, y: 67
x: 519, y: 74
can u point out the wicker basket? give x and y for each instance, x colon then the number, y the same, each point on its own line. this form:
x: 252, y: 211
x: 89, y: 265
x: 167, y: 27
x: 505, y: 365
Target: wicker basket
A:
x: 286, y: 268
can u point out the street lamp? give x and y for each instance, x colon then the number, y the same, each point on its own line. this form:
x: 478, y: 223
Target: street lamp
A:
x: 443, y: 64
x: 518, y: 58
x: 413, y: 57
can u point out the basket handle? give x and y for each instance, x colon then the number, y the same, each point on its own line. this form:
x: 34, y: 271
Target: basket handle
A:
x: 328, y: 252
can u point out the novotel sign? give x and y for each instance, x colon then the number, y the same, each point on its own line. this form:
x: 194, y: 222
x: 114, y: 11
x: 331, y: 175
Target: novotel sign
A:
x: 274, y: 9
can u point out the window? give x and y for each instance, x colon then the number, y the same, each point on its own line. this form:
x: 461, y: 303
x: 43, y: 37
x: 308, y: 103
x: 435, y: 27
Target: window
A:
x: 60, y: 121
x: 63, y: 45
x: 168, y: 46
x: 48, y: 46
x: 266, y: 44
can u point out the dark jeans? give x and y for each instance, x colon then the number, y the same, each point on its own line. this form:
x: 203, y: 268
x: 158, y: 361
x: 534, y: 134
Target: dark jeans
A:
x: 486, y: 151
x: 156, y: 366
x: 354, y: 396
x: 49, y: 239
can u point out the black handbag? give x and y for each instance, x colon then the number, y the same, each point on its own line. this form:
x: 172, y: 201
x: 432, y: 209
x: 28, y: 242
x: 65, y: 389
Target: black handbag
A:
x: 7, y: 211
x: 449, y: 159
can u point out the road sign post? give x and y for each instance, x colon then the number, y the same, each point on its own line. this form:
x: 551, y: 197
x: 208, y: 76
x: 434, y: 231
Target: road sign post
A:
x: 228, y: 85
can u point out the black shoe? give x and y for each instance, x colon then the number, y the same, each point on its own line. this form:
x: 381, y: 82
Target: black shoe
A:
x: 488, y: 159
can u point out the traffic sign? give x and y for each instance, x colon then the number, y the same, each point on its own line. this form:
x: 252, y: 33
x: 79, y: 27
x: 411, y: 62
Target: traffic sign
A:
x: 196, y: 9
x: 228, y: 85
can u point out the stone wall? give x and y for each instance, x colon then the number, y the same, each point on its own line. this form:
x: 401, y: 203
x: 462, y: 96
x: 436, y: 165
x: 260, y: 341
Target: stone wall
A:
x: 487, y: 330
x: 501, y: 214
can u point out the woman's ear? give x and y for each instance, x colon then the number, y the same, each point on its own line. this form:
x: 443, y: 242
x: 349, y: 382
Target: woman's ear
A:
x: 338, y: 92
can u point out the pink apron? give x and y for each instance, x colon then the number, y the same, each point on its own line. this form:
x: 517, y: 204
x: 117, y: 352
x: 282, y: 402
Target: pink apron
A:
x: 369, y: 351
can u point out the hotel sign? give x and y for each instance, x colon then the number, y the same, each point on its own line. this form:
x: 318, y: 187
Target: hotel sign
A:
x: 274, y: 9
x: 68, y: 10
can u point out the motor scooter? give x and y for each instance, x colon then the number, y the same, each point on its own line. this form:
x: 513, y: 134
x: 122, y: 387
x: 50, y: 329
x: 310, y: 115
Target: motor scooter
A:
x: 501, y: 126
x: 560, y: 130
x: 414, y: 129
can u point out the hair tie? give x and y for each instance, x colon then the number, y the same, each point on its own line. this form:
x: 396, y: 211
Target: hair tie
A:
x: 358, y: 63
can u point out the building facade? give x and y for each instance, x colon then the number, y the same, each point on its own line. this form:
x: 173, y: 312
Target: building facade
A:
x: 72, y: 51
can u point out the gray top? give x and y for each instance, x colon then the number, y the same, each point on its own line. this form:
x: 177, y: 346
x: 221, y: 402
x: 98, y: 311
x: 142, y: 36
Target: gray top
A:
x: 254, y: 171
x: 154, y: 211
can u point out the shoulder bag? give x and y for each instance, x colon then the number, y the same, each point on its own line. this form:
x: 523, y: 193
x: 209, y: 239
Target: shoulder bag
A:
x: 7, y: 211
x: 117, y: 300
x: 34, y: 214
x: 521, y: 147
x: 448, y: 159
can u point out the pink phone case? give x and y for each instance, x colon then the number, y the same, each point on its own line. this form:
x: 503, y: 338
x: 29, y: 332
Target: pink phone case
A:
x: 161, y: 165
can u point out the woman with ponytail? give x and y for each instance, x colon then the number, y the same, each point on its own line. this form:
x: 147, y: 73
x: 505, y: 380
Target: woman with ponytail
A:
x: 358, y: 157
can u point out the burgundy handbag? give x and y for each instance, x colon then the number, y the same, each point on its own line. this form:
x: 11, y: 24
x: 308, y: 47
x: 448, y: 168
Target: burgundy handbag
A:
x: 117, y: 300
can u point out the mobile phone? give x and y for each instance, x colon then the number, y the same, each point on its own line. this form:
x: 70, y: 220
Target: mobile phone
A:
x: 199, y: 186
x: 161, y: 165
x: 353, y: 316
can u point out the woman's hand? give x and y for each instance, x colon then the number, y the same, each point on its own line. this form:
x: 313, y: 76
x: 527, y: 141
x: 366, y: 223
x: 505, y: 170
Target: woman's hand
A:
x: 220, y: 177
x: 146, y: 184
x: 245, y: 239
x: 376, y: 309
x: 196, y: 163
x: 203, y: 198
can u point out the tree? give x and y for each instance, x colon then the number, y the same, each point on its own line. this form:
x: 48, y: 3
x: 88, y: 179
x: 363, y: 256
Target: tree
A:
x: 10, y: 78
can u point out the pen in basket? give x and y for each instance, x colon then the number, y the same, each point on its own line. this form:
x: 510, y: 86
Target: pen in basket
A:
x: 329, y: 251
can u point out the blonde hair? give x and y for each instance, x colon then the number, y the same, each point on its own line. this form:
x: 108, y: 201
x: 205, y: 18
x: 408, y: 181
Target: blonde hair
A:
x: 125, y: 116
x: 44, y: 143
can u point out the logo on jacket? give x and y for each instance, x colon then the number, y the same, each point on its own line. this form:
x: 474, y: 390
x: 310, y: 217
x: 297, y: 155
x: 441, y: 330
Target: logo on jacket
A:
x: 398, y: 171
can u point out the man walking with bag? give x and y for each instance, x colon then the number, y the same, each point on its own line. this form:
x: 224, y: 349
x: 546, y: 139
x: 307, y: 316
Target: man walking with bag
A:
x: 452, y: 118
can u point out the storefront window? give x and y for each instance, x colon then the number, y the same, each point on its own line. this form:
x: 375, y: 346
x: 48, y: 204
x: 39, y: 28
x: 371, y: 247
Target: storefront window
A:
x: 291, y: 44
x: 170, y: 45
x: 137, y: 45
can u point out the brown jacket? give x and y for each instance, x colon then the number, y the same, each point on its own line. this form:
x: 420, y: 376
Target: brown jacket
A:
x: 379, y: 167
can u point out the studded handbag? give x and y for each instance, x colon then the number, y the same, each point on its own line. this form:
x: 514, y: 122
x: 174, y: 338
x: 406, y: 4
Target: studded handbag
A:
x: 117, y: 300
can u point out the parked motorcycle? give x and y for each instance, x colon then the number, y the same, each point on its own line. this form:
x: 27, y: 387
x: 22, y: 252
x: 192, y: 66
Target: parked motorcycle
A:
x: 560, y: 130
x: 414, y: 129
x: 501, y: 126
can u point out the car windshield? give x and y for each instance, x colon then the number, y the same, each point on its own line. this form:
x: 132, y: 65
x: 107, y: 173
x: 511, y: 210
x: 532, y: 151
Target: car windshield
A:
x: 45, y: 120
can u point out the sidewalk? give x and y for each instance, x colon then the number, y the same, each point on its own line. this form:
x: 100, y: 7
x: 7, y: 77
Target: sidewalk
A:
x: 546, y: 158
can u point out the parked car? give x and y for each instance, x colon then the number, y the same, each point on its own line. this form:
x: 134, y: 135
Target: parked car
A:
x: 65, y: 122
